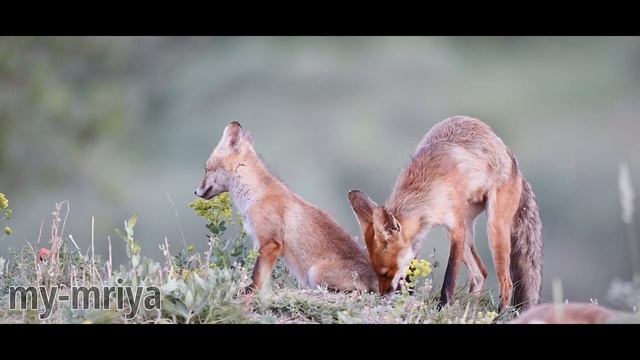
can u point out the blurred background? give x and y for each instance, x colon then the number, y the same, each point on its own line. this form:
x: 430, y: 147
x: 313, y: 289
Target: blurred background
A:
x: 114, y: 125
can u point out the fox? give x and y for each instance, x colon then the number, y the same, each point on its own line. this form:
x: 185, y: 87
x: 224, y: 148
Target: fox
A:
x: 572, y: 313
x: 459, y: 169
x: 281, y: 224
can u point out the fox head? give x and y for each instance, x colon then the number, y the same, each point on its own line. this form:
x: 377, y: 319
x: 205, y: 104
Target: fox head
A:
x: 232, y: 149
x: 390, y: 252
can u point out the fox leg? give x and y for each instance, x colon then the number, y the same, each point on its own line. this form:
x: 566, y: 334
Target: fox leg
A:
x: 502, y: 205
x: 473, y: 262
x: 268, y: 255
x: 456, y: 254
x: 483, y: 269
x: 476, y: 275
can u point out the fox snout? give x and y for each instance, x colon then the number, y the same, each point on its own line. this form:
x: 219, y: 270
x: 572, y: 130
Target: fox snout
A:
x: 385, y: 286
x: 200, y: 192
x: 204, y: 190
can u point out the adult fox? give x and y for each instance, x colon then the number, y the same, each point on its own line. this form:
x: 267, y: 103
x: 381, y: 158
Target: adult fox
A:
x: 460, y: 168
x: 312, y: 244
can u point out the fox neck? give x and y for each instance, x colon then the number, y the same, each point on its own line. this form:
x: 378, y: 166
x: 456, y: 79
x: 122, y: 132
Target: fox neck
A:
x: 414, y: 228
x: 413, y: 202
x: 249, y: 181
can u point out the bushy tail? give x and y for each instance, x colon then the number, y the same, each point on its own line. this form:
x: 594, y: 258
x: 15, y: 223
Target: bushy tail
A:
x: 526, y: 250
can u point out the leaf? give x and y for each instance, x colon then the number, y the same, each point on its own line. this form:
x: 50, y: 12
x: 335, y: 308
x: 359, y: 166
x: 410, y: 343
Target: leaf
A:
x: 188, y: 298
x: 132, y: 221
x: 176, y: 307
x: 121, y: 235
x: 136, y: 248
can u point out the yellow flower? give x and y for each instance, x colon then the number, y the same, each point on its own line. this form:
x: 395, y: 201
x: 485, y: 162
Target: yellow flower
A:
x: 87, y: 322
x: 417, y: 269
x: 186, y: 274
x: 8, y: 230
x: 420, y: 268
x: 491, y: 315
x: 4, y: 202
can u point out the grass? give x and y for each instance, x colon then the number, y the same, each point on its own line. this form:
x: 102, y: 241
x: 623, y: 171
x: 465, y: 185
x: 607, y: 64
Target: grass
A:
x: 205, y: 287
x: 194, y: 287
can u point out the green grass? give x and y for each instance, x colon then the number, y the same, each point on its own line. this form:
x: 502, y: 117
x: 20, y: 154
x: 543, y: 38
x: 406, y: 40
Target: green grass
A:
x: 205, y: 287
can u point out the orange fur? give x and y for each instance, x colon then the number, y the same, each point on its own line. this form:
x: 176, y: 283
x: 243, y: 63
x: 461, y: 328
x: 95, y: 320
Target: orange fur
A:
x: 458, y: 170
x: 316, y: 249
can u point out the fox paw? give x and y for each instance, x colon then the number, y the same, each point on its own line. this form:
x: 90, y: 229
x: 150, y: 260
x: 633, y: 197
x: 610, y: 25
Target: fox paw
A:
x: 247, y: 290
x: 247, y: 294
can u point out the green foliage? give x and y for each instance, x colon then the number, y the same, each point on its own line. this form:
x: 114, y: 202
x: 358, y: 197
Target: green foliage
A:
x: 132, y: 246
x: 26, y: 268
x: 4, y: 202
x: 224, y: 251
x: 217, y: 211
x: 5, y: 214
x: 210, y: 298
x: 205, y: 288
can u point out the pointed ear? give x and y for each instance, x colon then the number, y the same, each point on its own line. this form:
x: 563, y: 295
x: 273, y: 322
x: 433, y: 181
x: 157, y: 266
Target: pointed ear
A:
x: 385, y: 223
x: 247, y: 136
x: 232, y: 136
x: 362, y: 207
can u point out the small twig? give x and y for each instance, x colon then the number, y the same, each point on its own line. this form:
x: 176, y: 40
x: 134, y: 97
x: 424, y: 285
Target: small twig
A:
x: 74, y: 244
x: 64, y: 222
x: 71, y: 276
x: 167, y: 255
x: 99, y: 278
x: 466, y: 311
x: 93, y: 253
x: 635, y: 253
x: 184, y: 241
x: 35, y: 261
x: 40, y: 232
x: 110, y: 263
x: 74, y: 275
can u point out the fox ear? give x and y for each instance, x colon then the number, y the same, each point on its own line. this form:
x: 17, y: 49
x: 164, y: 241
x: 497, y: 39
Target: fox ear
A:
x: 232, y: 136
x: 247, y: 136
x: 362, y: 206
x: 385, y: 223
